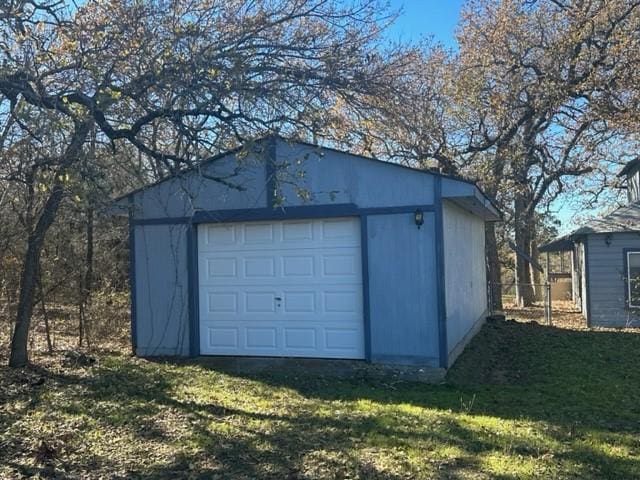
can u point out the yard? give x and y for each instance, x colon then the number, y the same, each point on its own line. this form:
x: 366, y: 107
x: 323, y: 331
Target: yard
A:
x: 524, y: 401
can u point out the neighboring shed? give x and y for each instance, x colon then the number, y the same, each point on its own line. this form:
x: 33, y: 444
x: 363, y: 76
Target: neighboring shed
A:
x: 606, y: 261
x: 322, y: 254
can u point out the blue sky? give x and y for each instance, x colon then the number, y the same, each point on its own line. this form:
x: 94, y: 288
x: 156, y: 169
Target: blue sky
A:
x: 437, y: 18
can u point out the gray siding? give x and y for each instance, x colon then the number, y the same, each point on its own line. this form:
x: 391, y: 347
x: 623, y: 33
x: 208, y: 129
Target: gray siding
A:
x: 402, y: 290
x: 182, y: 196
x: 336, y: 177
x: 162, y: 325
x: 465, y: 275
x: 606, y: 280
x: 306, y: 175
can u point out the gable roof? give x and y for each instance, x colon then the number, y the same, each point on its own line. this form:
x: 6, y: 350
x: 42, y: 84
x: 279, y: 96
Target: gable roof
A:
x: 624, y: 219
x: 185, y: 171
x: 484, y: 199
x: 262, y: 140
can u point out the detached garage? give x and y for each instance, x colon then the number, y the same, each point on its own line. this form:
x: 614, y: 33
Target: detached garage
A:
x: 286, y: 249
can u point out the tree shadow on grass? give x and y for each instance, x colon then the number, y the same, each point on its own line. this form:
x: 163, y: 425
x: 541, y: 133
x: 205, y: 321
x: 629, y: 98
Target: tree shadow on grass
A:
x: 579, y: 383
x: 510, y: 370
x: 295, y: 443
x: 304, y: 427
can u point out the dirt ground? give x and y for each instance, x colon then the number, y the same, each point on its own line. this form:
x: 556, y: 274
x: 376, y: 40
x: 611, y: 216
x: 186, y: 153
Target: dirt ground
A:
x: 564, y: 314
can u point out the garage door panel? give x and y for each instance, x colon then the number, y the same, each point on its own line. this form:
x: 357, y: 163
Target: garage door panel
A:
x: 340, y: 232
x: 259, y: 234
x: 300, y: 338
x: 221, y: 267
x: 297, y: 303
x: 259, y: 267
x: 281, y: 267
x: 298, y: 265
x: 340, y: 264
x: 281, y: 288
x: 261, y: 337
x: 331, y: 341
x: 222, y: 338
x: 340, y: 228
x: 341, y: 338
x: 221, y: 302
x: 297, y: 231
x: 218, y: 236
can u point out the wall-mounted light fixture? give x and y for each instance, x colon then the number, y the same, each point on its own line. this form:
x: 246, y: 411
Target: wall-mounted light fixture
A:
x: 418, y: 216
x: 607, y: 240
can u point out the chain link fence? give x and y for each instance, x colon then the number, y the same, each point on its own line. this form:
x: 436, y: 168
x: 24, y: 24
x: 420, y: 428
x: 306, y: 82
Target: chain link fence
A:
x: 522, y: 301
x: 552, y: 303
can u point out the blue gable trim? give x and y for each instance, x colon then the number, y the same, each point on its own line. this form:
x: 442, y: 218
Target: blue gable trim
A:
x: 162, y: 221
x: 194, y: 300
x: 132, y: 276
x: 399, y: 209
x: 288, y: 213
x: 284, y: 213
x: 440, y: 278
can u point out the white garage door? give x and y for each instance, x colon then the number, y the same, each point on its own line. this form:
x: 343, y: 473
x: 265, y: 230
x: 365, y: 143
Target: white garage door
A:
x: 290, y: 288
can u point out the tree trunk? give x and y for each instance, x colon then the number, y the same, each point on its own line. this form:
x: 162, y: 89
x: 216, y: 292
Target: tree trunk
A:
x: 536, y: 276
x: 86, y: 282
x: 522, y: 226
x: 19, y: 356
x: 494, y: 274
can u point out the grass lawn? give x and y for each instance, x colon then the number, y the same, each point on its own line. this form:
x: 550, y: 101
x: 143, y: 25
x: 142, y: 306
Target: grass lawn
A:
x: 524, y: 401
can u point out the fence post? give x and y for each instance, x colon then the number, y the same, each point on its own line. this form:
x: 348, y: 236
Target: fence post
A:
x: 547, y: 290
x: 547, y: 303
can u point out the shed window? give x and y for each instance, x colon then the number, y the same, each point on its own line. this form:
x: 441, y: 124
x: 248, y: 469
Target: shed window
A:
x: 633, y: 278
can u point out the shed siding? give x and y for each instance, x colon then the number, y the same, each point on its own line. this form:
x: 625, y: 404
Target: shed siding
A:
x: 403, y: 308
x: 402, y: 290
x: 162, y: 316
x: 183, y: 195
x: 465, y: 275
x: 336, y: 177
x: 606, y: 280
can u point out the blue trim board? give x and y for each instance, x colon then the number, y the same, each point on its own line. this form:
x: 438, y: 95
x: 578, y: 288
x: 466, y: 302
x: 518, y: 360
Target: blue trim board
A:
x: 163, y: 221
x: 366, y: 309
x: 132, y: 277
x: 587, y: 280
x: 440, y: 279
x: 194, y: 301
x: 306, y: 211
x: 284, y: 213
x: 398, y: 209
